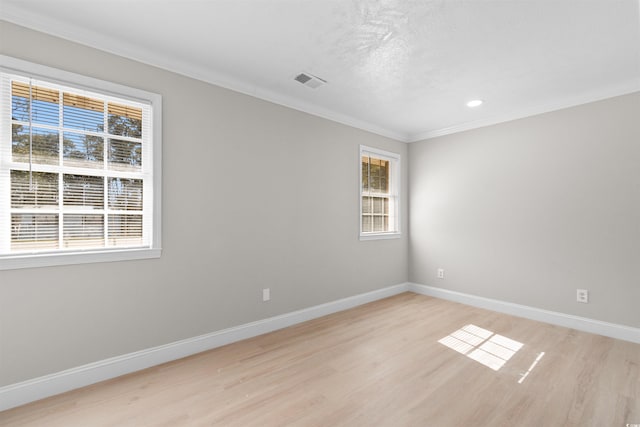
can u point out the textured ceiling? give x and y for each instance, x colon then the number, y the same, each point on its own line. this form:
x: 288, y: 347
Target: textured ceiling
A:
x: 400, y: 68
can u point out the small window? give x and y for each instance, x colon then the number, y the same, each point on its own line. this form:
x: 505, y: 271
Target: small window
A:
x: 79, y: 168
x: 379, y: 194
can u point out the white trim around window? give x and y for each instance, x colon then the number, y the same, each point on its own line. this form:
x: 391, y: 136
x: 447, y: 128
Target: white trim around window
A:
x: 379, y: 191
x: 124, y: 183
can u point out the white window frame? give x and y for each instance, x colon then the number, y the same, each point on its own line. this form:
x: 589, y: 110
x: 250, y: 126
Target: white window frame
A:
x: 394, y: 192
x: 10, y: 65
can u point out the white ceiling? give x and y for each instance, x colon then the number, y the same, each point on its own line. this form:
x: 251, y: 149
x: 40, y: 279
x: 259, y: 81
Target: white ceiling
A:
x: 400, y: 68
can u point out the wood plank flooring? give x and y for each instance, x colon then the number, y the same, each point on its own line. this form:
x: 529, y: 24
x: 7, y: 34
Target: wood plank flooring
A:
x: 408, y: 360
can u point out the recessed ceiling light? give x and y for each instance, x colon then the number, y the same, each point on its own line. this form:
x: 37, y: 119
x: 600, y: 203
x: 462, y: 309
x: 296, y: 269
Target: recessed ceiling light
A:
x: 474, y: 103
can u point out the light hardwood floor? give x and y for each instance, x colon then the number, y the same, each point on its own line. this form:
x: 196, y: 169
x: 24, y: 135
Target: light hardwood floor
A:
x: 388, y: 363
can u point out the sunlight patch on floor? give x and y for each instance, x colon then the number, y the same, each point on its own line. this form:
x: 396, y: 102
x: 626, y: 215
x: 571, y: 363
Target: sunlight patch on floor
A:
x: 533, y: 365
x: 483, y: 346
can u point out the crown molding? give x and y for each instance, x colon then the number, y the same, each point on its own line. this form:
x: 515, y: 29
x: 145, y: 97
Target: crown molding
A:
x: 87, y: 37
x: 45, y: 24
x: 598, y: 95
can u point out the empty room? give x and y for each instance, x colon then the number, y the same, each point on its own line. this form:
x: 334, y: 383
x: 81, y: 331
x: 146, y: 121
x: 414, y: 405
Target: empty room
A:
x: 319, y: 213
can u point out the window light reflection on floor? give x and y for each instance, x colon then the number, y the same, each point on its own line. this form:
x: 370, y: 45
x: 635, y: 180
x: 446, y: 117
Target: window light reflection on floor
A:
x: 533, y: 365
x: 483, y: 346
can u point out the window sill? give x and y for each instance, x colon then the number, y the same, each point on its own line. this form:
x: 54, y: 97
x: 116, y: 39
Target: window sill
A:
x: 380, y: 236
x: 29, y: 260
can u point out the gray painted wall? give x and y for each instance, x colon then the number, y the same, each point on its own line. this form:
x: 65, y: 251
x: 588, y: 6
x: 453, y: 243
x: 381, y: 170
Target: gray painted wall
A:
x: 530, y: 210
x: 281, y: 211
x: 525, y: 211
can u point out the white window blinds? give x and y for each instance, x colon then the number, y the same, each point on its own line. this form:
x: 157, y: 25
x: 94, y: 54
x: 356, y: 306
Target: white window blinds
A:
x: 76, y: 169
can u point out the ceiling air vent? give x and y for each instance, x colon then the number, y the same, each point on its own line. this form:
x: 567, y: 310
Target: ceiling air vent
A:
x: 310, y: 80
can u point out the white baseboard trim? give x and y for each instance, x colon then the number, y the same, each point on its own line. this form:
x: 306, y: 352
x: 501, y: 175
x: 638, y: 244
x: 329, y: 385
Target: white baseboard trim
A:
x: 38, y: 388
x: 612, y: 330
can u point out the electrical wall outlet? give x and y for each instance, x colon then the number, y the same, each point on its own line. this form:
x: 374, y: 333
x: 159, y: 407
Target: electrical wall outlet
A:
x: 441, y: 273
x: 582, y: 295
x: 266, y: 294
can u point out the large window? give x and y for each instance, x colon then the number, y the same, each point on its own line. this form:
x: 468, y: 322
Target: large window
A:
x: 79, y: 168
x: 379, y: 194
